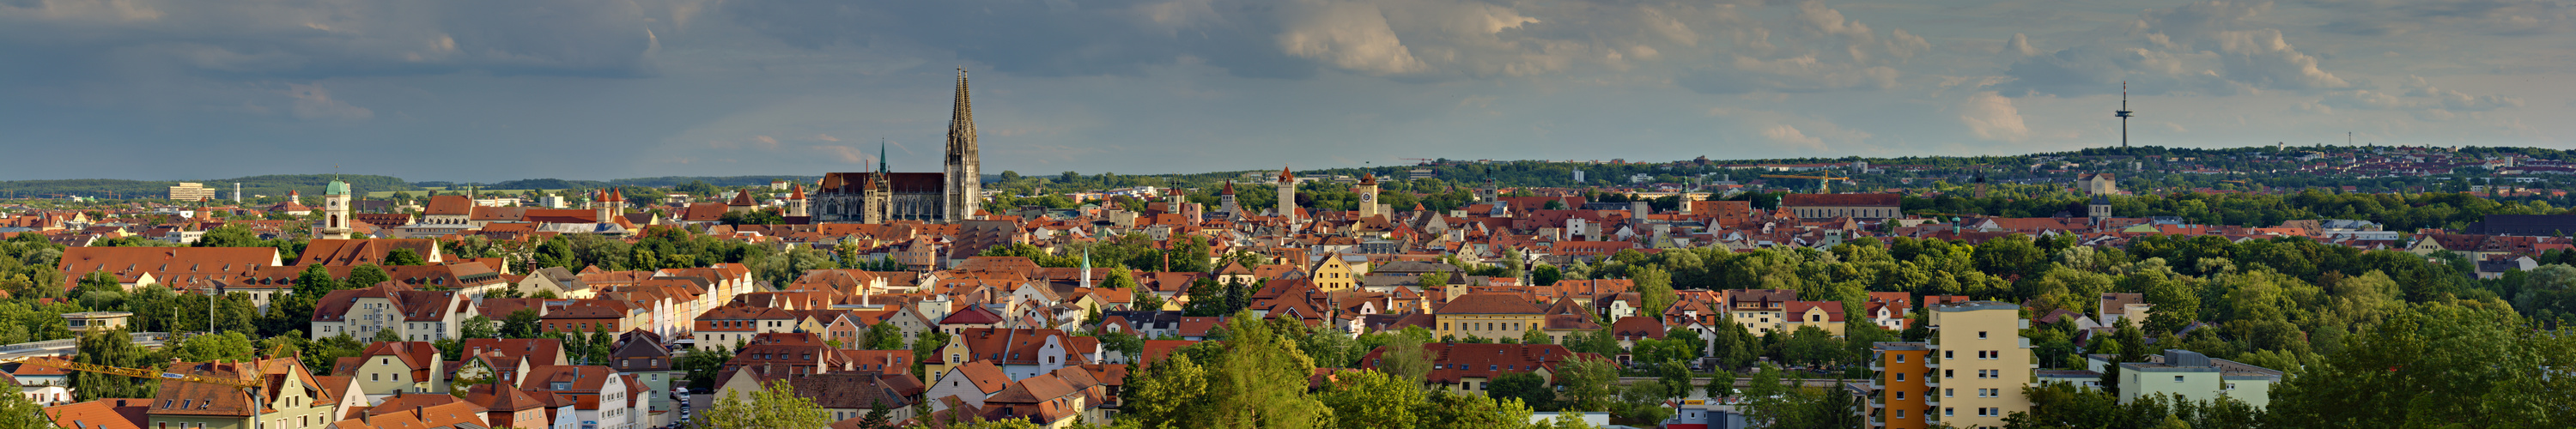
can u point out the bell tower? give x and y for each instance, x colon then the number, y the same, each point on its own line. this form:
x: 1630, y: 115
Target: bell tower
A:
x: 335, y: 212
x: 1368, y: 195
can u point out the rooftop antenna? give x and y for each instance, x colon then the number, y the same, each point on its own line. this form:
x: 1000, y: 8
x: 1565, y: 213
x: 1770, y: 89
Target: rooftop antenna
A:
x: 2123, y: 114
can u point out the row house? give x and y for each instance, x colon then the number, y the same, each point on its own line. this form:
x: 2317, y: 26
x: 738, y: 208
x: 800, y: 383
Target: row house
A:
x: 1021, y: 353
x: 601, y: 398
x: 720, y: 329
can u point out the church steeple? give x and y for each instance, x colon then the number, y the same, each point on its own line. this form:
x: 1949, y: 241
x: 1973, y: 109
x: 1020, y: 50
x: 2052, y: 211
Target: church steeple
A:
x: 965, y: 181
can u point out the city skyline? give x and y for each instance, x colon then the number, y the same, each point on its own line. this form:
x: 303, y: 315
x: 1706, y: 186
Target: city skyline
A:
x: 455, y: 92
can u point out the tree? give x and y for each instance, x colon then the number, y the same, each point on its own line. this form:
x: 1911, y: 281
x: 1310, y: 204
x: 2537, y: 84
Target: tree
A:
x: 774, y: 406
x: 521, y: 324
x: 882, y: 336
x: 404, y: 257
x: 114, y: 347
x: 365, y: 276
x: 702, y: 368
x: 1586, y: 384
x: 2436, y: 365
x: 1262, y: 381
x: 230, y: 345
x: 1536, y: 336
x: 879, y: 417
x: 1145, y: 299
x: 479, y: 326
x: 1371, y: 399
x: 1722, y: 385
x: 17, y: 412
x: 1676, y: 379
x: 1779, y: 402
x: 1405, y: 357
x: 1166, y: 394
x: 1527, y: 387
x: 386, y: 335
x: 1654, y: 287
x: 1449, y: 410
x: 1432, y: 279
x: 1811, y: 345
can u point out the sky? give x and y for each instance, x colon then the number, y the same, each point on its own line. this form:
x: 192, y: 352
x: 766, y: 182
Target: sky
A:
x: 491, y: 90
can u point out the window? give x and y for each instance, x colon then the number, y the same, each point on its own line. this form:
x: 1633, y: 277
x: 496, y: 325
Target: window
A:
x: 1981, y: 335
x: 1900, y: 414
x: 1949, y: 373
x: 1900, y: 376
x: 1900, y: 395
x: 2177, y: 379
x: 1949, y: 354
x: 2227, y: 386
x: 1949, y: 411
x: 1900, y: 358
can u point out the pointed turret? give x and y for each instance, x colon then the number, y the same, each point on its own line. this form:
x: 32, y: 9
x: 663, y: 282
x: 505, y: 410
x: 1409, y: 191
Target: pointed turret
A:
x: 1368, y: 179
x: 1285, y: 176
x: 1229, y: 188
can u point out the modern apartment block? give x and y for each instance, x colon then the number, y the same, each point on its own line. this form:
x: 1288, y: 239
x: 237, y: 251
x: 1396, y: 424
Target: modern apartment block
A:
x: 1901, y: 391
x: 1982, y: 360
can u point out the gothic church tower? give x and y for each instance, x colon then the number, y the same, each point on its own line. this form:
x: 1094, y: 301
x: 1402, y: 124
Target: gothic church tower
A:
x: 964, y: 191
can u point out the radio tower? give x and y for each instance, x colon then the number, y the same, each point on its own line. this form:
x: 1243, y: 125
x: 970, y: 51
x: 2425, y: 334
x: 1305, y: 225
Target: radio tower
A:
x: 2123, y: 114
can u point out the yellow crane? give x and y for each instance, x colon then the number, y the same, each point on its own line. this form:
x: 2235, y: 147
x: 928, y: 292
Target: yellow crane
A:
x: 1821, y: 179
x: 249, y: 387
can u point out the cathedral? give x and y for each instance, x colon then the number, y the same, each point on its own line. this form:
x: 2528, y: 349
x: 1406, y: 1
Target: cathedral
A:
x: 949, y: 196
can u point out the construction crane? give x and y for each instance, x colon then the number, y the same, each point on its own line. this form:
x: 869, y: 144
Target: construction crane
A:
x: 1822, y: 179
x: 249, y: 387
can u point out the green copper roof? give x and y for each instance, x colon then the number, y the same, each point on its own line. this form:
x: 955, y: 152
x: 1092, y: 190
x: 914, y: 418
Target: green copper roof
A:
x: 336, y: 188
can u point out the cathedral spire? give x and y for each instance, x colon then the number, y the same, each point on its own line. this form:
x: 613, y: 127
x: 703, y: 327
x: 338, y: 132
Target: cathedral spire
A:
x: 963, y: 176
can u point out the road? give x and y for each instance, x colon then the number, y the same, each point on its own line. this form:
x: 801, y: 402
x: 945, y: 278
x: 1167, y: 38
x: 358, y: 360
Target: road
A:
x: 68, y: 347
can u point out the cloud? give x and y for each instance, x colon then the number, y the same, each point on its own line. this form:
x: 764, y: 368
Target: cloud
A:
x: 2204, y: 48
x: 304, y: 39
x: 2498, y: 17
x: 312, y: 102
x: 1991, y: 116
x: 847, y: 155
x: 1783, y: 133
x: 1349, y: 35
x: 2419, y: 97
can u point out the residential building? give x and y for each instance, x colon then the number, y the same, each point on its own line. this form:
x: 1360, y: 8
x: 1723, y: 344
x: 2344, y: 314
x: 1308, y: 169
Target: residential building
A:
x: 413, y: 315
x: 2195, y: 377
x: 293, y: 402
x: 392, y: 368
x: 1900, y: 392
x: 1488, y: 315
x: 1983, y: 360
x: 600, y: 396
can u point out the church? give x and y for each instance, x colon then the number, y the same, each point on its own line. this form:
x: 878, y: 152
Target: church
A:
x: 952, y: 195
